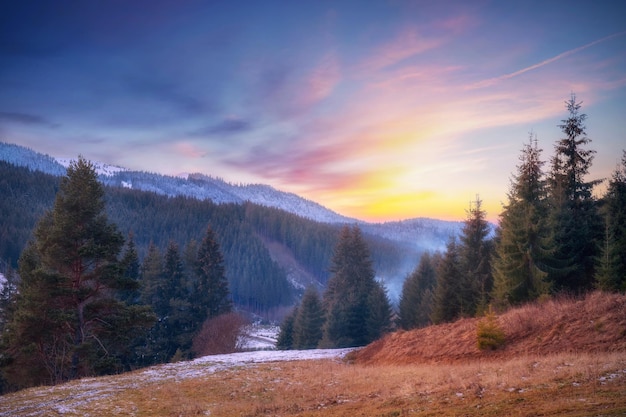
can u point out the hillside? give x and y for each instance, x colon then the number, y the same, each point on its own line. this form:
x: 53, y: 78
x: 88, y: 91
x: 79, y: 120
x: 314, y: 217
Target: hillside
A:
x: 563, y: 358
x: 594, y: 324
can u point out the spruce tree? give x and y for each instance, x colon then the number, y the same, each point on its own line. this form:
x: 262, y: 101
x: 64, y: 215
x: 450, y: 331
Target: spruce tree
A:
x: 177, y: 326
x: 612, y: 274
x: 447, y: 293
x: 210, y: 289
x: 131, y: 270
x: 347, y: 299
x: 475, y: 250
x: 68, y: 320
x: 574, y: 220
x: 519, y: 266
x: 307, y: 325
x: 153, y: 288
x: 416, y: 298
x: 285, y: 336
x: 380, y: 312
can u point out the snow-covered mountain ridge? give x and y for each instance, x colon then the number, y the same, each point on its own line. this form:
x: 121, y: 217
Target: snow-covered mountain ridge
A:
x: 420, y: 232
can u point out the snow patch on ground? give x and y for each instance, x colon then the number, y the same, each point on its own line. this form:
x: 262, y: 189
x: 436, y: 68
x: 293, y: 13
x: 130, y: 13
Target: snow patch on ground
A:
x: 77, y: 396
x: 259, y: 337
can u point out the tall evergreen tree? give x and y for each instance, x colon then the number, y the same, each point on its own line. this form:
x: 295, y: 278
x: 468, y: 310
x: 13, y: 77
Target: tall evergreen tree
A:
x: 475, y: 250
x: 177, y: 326
x: 574, y: 220
x: 347, y: 301
x: 447, y: 293
x: 417, y: 291
x: 153, y: 288
x: 285, y: 336
x: 68, y: 321
x: 519, y: 266
x: 380, y: 312
x: 131, y: 270
x: 307, y: 325
x: 210, y: 290
x: 612, y: 274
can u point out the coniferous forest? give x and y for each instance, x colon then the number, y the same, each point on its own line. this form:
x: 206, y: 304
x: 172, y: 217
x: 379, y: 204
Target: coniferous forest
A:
x: 554, y: 236
x: 104, y: 279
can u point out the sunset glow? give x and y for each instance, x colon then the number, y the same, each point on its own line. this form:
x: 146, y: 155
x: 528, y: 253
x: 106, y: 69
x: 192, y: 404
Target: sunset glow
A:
x: 377, y: 110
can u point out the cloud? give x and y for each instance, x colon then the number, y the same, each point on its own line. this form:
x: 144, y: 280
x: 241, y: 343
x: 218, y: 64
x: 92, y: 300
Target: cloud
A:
x: 323, y: 79
x: 26, y: 119
x: 408, y: 43
x: 166, y: 91
x: 227, y: 126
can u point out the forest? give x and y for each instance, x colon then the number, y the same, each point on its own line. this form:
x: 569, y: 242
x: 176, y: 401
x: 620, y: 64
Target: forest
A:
x: 258, y: 283
x: 554, y: 236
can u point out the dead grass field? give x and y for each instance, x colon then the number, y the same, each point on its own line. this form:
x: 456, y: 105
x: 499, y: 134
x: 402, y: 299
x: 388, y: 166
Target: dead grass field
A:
x: 557, y: 385
x: 562, y: 385
x: 544, y: 373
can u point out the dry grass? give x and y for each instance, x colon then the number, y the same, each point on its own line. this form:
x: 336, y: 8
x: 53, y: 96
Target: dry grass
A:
x: 596, y: 323
x: 562, y: 358
x: 562, y: 384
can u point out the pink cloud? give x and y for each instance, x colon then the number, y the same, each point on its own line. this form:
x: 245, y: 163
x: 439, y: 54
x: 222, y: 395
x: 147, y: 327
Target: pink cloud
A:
x: 322, y: 79
x: 408, y: 43
x: 188, y: 150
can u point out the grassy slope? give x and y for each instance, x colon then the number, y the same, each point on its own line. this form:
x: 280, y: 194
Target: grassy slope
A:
x: 562, y: 358
x: 596, y: 323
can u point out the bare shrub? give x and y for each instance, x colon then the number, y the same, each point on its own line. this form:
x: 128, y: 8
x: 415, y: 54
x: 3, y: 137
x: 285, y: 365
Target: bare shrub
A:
x: 219, y: 335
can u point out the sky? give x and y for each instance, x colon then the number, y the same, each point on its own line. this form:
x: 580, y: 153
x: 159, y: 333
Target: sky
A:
x: 378, y: 110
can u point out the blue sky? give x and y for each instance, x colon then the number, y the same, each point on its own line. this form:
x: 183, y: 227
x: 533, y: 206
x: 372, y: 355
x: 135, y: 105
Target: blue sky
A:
x: 380, y: 110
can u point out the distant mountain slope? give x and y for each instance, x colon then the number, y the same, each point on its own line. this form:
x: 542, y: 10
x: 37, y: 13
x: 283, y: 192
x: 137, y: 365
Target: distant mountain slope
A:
x: 419, y: 234
x: 197, y: 186
x: 25, y: 157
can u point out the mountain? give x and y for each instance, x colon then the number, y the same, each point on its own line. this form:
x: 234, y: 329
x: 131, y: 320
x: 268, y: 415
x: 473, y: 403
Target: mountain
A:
x: 195, y: 185
x: 420, y: 233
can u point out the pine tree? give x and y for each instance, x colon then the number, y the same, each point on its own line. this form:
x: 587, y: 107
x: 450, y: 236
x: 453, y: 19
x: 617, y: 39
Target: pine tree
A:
x: 285, y: 336
x: 307, y: 326
x: 131, y: 269
x: 210, y: 293
x: 612, y: 275
x: 519, y: 267
x: 447, y: 293
x: 347, y: 301
x: 153, y: 289
x: 475, y: 250
x: 68, y: 321
x: 574, y: 220
x: 416, y: 298
x: 380, y: 312
x: 177, y: 328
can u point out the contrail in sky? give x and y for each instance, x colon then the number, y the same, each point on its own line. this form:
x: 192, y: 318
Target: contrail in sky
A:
x: 491, y: 81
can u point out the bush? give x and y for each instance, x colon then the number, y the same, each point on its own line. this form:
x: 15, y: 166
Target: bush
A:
x: 219, y: 335
x: 489, y: 334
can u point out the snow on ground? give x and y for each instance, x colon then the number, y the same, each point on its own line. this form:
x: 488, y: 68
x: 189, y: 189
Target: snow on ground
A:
x: 78, y: 396
x: 259, y: 337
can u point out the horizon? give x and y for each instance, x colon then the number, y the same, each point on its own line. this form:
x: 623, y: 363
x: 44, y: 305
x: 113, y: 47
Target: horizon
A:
x: 377, y: 111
